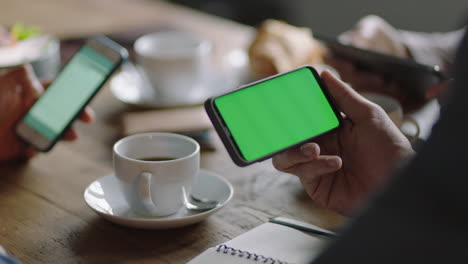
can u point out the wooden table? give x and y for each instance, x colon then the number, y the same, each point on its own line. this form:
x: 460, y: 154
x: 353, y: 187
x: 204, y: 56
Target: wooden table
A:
x: 43, y: 217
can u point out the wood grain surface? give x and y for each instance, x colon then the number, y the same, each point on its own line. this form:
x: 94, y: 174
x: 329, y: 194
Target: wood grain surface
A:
x: 43, y: 217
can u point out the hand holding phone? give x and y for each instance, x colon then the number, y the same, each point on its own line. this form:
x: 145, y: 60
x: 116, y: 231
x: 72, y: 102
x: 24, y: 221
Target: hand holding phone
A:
x: 341, y: 170
x: 48, y: 119
x: 19, y: 89
x: 273, y: 115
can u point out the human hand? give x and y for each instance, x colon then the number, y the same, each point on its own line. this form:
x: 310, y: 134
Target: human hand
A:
x: 366, y: 81
x: 19, y: 89
x: 373, y: 33
x: 340, y: 170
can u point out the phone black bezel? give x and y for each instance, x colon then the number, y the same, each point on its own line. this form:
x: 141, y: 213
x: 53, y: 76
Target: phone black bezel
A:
x: 228, y: 141
x: 123, y: 55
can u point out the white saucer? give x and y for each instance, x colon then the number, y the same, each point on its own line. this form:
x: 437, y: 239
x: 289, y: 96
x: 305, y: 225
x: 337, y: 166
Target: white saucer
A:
x: 104, y: 198
x: 131, y: 86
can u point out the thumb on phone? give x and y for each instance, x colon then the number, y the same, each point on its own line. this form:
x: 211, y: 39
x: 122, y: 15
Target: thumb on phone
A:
x: 350, y: 102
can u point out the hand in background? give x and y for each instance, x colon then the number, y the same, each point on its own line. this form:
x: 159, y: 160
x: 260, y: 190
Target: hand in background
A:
x: 19, y: 89
x: 374, y: 33
x: 342, y: 169
x: 366, y: 81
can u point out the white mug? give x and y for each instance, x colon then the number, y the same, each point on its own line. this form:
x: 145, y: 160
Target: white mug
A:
x: 176, y: 63
x: 155, y: 187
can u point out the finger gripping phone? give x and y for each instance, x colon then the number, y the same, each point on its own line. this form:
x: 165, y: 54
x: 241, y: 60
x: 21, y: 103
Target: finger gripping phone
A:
x: 81, y: 78
x: 272, y: 115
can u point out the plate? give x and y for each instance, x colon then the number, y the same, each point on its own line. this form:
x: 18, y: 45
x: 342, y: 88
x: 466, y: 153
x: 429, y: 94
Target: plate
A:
x: 131, y: 86
x: 42, y: 52
x: 104, y: 198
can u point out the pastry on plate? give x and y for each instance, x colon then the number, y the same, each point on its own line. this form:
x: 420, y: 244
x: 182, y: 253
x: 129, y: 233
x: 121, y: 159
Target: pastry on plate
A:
x: 280, y: 47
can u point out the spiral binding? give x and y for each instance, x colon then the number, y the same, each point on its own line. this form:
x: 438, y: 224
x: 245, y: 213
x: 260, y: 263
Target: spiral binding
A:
x: 245, y: 254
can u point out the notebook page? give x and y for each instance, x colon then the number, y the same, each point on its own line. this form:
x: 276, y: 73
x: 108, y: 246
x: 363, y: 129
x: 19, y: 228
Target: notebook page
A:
x: 270, y: 240
x: 279, y: 242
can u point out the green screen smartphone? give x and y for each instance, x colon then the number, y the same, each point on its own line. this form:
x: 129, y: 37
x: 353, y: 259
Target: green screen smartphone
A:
x: 272, y: 115
x: 71, y: 91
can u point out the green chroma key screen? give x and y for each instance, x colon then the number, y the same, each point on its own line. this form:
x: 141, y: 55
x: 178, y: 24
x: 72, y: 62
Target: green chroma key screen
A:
x: 280, y: 112
x: 69, y: 92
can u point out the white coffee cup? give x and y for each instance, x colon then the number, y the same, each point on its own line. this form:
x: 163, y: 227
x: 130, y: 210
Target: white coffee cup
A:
x: 156, y: 187
x: 175, y: 63
x: 394, y: 111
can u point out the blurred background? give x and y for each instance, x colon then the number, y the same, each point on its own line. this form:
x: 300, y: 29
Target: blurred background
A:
x: 335, y: 16
x: 326, y: 16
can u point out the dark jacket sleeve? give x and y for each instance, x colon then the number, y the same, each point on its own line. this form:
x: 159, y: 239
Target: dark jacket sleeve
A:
x: 422, y: 216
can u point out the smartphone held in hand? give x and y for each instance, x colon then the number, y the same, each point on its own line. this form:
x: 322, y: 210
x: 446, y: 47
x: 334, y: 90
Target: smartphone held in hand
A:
x: 80, y: 79
x: 272, y: 115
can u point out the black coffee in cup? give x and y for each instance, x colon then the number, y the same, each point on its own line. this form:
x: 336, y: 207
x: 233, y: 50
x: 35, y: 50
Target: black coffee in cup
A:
x: 157, y: 158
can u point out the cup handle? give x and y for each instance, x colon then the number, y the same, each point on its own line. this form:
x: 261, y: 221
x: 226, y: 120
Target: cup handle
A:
x: 415, y: 136
x: 144, y: 191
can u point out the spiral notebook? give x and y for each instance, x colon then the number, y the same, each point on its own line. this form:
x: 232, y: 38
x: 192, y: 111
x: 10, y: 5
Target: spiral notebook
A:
x: 279, y: 241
